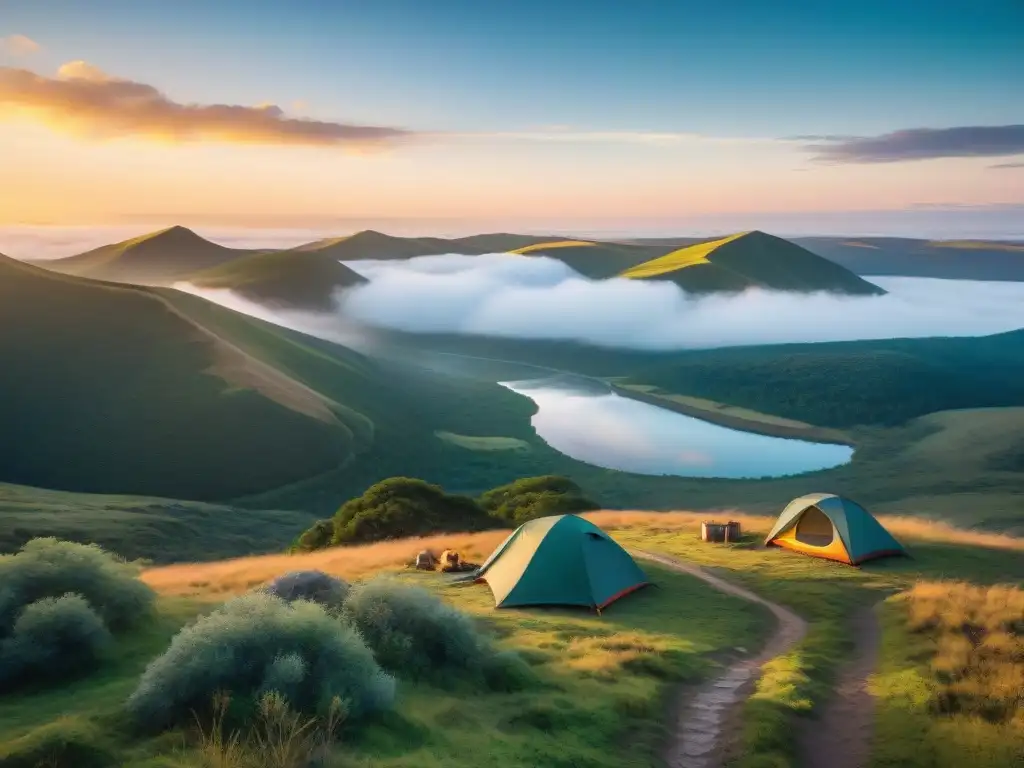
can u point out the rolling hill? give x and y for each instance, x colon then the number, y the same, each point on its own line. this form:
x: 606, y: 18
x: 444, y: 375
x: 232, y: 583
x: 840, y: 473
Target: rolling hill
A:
x: 846, y: 384
x: 157, y: 258
x: 295, y: 278
x: 750, y: 259
x: 113, y: 388
x: 370, y: 244
x: 906, y: 257
x: 593, y: 259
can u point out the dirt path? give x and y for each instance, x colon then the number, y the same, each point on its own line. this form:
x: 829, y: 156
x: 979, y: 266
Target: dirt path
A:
x: 841, y: 737
x: 699, y: 739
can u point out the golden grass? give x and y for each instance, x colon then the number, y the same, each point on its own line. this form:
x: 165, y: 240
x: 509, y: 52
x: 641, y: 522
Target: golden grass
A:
x: 230, y: 577
x: 554, y: 244
x: 678, y: 259
x: 978, y: 635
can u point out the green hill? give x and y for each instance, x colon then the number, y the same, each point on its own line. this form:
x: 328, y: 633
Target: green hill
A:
x: 298, y: 279
x: 158, y: 258
x: 844, y: 384
x: 593, y: 259
x: 750, y: 259
x: 369, y: 244
x: 908, y: 257
x: 496, y: 242
x: 113, y: 388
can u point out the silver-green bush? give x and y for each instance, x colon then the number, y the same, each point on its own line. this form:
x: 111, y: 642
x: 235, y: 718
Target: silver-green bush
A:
x: 51, y: 639
x: 415, y: 634
x: 258, y: 643
x: 48, y: 567
x: 315, y: 586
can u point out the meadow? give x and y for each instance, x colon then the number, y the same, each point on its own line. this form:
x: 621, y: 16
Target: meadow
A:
x: 613, y: 680
x: 606, y: 681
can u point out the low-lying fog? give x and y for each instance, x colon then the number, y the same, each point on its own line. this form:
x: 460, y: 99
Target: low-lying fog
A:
x: 541, y: 298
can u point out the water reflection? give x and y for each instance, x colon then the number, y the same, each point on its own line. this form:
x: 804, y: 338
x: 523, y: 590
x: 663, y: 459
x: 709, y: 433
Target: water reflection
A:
x: 585, y: 420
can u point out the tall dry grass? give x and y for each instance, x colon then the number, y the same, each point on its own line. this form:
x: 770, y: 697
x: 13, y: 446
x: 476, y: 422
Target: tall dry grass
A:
x: 978, y: 636
x: 231, y: 577
x: 279, y: 737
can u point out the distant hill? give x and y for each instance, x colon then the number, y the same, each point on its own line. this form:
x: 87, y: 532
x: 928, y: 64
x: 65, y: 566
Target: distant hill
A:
x: 750, y: 259
x: 905, y: 257
x: 370, y: 244
x: 594, y: 259
x: 844, y: 384
x: 158, y: 258
x: 296, y: 279
x: 497, y: 242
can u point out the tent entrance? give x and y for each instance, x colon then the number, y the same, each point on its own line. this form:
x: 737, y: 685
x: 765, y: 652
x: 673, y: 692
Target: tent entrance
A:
x: 814, y: 528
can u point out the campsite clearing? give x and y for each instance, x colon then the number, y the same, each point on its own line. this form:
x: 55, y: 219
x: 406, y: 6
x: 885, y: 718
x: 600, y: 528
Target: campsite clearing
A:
x: 608, y: 680
x: 605, y: 680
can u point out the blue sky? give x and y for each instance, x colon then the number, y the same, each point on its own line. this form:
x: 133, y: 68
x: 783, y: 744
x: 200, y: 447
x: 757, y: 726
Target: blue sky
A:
x: 746, y: 69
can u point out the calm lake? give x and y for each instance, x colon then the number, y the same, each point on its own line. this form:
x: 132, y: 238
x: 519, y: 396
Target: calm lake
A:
x: 601, y: 428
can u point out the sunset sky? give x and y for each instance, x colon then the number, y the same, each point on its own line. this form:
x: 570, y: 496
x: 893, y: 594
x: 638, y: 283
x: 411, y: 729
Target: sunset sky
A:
x: 302, y: 114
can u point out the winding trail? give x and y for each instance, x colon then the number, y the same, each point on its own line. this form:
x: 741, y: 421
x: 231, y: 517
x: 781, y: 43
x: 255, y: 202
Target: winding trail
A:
x: 841, y: 737
x: 700, y: 734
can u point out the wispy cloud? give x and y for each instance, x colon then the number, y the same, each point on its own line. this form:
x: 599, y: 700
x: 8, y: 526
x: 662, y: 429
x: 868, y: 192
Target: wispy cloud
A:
x: 1008, y: 165
x: 18, y: 45
x: 85, y: 101
x: 921, y: 144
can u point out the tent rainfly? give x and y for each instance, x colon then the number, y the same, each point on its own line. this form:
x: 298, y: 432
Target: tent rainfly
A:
x: 829, y: 526
x: 560, y: 560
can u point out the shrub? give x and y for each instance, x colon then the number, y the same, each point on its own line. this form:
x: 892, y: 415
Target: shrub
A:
x: 533, y: 497
x: 53, y: 638
x: 47, y: 567
x: 414, y: 633
x: 317, y: 536
x: 255, y: 644
x: 400, y: 507
x: 315, y: 586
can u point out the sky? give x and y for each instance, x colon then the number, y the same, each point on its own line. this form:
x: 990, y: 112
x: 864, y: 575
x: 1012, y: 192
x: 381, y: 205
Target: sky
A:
x: 453, y: 116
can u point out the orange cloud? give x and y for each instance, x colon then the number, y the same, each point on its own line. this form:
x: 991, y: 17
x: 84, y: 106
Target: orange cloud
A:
x: 84, y: 100
x: 18, y: 45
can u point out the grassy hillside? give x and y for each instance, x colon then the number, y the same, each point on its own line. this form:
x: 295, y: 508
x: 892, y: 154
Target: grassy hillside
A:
x: 129, y: 390
x: 296, y: 279
x: 370, y: 244
x: 496, y: 242
x: 160, y: 530
x: 157, y: 258
x: 592, y: 259
x: 750, y: 259
x: 907, y: 257
x: 112, y: 389
x: 845, y: 384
